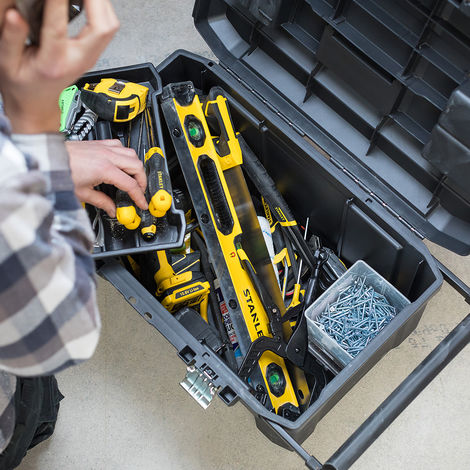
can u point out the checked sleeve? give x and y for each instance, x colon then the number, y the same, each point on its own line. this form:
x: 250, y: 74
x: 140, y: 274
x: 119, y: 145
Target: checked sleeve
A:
x: 48, y: 314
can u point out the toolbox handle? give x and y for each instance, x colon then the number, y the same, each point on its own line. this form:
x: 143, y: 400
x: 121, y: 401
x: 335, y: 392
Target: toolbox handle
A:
x: 399, y: 399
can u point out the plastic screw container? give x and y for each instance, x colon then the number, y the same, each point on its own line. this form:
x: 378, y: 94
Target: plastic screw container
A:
x: 324, y: 347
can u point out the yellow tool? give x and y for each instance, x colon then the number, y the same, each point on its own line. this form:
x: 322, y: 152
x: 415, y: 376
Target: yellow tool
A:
x: 206, y: 161
x: 115, y: 100
x: 148, y: 227
x: 158, y: 182
x: 126, y: 212
x: 158, y: 179
x: 180, y: 283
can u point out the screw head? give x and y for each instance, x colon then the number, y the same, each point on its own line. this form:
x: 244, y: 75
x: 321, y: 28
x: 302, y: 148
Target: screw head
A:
x: 176, y: 133
x: 232, y: 303
x: 204, y: 218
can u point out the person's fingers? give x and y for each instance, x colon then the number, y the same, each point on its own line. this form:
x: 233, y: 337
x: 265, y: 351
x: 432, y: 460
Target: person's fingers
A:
x: 54, y: 31
x: 94, y: 145
x: 120, y: 150
x: 102, y: 24
x: 98, y: 199
x: 131, y: 164
x: 100, y: 14
x: 109, y: 142
x: 123, y: 181
x: 13, y: 37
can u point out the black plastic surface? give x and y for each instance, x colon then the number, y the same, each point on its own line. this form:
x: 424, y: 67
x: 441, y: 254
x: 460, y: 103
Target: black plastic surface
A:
x: 338, y: 212
x: 126, y: 242
x: 449, y: 147
x: 363, y: 81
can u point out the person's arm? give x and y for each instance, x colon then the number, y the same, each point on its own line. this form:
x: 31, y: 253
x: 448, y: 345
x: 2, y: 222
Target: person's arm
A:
x: 48, y: 313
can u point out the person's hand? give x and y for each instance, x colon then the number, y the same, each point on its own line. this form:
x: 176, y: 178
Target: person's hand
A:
x: 32, y: 78
x: 106, y: 161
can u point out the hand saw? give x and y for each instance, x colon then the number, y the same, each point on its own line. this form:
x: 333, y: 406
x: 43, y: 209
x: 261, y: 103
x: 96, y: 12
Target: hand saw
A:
x: 211, y: 161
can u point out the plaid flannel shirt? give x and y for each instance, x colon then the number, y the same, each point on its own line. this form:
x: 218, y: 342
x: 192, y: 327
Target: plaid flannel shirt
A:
x: 48, y: 314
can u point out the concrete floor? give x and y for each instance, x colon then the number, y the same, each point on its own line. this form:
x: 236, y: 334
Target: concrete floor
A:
x: 124, y: 409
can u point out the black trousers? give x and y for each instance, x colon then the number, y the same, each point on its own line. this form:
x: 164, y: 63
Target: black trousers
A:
x: 36, y: 405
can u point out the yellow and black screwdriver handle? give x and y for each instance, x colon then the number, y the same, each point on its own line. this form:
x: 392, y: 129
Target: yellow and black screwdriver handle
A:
x: 126, y: 213
x: 115, y: 100
x: 158, y: 182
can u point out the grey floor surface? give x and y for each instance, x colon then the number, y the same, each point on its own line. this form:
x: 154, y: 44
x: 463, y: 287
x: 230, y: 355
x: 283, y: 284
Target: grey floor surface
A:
x: 125, y: 409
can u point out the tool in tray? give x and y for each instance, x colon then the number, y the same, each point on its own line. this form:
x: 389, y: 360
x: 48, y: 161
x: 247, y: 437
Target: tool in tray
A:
x: 112, y: 108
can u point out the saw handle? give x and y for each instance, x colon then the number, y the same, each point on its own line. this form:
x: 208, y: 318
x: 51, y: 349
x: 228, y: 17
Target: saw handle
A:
x: 279, y: 208
x: 266, y: 185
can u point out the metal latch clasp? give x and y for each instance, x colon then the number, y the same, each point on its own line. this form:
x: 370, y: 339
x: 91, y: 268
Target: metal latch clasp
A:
x: 198, y: 385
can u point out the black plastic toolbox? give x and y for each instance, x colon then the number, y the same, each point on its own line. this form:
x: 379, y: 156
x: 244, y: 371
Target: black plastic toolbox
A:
x: 338, y: 99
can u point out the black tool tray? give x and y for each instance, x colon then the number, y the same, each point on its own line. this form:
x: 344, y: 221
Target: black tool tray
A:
x: 337, y: 98
x: 130, y: 241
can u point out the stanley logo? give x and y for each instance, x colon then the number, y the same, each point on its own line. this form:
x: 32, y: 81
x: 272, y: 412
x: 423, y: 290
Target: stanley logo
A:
x: 160, y: 179
x: 253, y: 314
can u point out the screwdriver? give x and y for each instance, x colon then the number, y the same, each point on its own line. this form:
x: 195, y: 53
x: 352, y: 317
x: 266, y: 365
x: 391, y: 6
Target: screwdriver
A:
x: 157, y: 176
x: 126, y: 213
x: 148, y: 225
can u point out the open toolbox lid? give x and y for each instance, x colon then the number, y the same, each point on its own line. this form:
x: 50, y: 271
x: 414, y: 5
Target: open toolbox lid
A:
x: 378, y: 87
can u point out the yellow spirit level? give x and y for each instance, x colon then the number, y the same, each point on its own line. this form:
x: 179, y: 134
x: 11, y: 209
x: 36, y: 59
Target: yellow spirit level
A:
x: 211, y: 164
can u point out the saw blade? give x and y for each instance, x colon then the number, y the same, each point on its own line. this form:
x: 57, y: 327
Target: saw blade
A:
x: 252, y: 239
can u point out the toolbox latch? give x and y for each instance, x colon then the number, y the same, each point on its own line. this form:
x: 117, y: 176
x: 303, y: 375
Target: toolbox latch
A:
x: 199, y: 386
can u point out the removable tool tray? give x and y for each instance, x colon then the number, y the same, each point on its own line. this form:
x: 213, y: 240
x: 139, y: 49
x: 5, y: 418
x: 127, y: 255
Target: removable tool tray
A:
x: 130, y: 242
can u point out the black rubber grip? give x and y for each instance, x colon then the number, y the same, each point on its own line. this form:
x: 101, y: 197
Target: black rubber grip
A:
x: 279, y: 208
x: 123, y: 199
x: 266, y: 186
x: 213, y: 110
x: 157, y: 175
x: 216, y: 195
